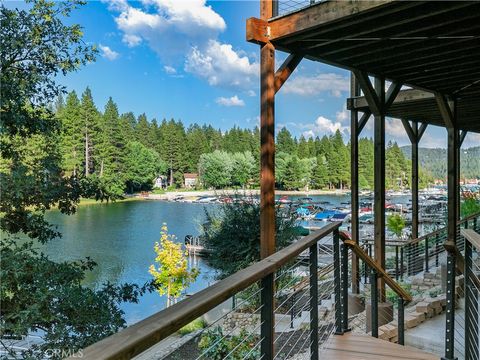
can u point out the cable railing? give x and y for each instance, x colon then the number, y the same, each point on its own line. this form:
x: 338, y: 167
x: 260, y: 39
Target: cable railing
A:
x: 285, y: 7
x: 274, y: 312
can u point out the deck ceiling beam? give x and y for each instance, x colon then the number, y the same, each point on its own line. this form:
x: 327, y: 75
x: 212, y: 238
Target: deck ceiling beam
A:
x: 410, y: 39
x: 421, y: 131
x: 446, y: 110
x: 286, y: 69
x: 382, y: 26
x: 407, y: 95
x: 317, y: 15
x: 390, y: 51
x: 409, y: 131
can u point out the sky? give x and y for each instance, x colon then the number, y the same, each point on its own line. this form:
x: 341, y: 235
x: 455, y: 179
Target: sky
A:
x: 189, y: 60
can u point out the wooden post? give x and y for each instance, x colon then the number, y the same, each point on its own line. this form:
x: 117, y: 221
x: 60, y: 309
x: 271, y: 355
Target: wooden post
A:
x: 354, y: 133
x: 379, y: 182
x: 267, y: 182
x: 415, y: 207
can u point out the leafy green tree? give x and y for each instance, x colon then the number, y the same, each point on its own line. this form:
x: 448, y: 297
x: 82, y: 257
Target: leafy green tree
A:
x: 233, y: 234
x: 35, y: 292
x: 215, y: 169
x: 243, y: 168
x: 470, y: 204
x: 142, y: 166
x: 171, y: 274
x: 396, y: 223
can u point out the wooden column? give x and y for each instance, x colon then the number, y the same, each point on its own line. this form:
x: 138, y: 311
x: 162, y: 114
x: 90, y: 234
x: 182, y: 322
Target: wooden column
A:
x: 452, y: 183
x: 379, y: 181
x: 267, y: 142
x: 415, y: 207
x: 354, y: 133
x: 267, y: 184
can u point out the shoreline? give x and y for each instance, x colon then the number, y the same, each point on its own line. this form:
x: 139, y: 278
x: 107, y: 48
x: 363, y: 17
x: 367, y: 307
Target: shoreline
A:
x: 170, y: 195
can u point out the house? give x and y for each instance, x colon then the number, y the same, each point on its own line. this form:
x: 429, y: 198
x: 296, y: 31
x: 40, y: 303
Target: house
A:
x: 160, y: 182
x: 190, y: 180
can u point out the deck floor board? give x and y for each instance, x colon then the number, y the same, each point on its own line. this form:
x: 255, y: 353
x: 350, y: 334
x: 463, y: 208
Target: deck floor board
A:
x: 358, y: 347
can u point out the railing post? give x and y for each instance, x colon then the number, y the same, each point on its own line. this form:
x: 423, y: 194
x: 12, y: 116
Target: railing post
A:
x: 437, y: 250
x: 314, y: 302
x: 426, y: 255
x: 471, y: 307
x: 401, y: 321
x: 450, y: 315
x: 409, y: 260
x: 338, y: 283
x: 396, y: 264
x: 267, y: 318
x: 274, y: 8
x: 344, y: 262
x: 374, y: 302
x: 402, y: 267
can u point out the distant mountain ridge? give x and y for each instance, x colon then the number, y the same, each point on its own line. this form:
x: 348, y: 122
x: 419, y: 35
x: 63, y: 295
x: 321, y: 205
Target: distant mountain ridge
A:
x: 434, y: 161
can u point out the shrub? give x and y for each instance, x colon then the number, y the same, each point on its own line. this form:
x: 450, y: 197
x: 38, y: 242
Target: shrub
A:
x: 195, y: 325
x: 216, y: 346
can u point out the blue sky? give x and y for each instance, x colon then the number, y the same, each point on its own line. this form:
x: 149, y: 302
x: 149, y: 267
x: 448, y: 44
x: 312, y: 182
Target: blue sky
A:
x: 188, y: 60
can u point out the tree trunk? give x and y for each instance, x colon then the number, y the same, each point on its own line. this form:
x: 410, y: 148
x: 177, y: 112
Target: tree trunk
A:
x: 87, y: 151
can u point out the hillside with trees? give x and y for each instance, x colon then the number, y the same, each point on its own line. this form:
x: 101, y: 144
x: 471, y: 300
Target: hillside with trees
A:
x: 434, y: 161
x: 125, y: 153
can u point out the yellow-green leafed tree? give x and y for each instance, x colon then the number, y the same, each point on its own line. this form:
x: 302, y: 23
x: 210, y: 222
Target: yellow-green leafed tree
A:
x: 171, y: 274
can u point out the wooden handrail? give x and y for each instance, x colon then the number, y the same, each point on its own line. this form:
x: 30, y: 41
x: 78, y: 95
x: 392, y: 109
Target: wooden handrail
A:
x: 436, y: 232
x: 140, y: 336
x: 472, y: 236
x: 452, y: 248
x: 381, y: 272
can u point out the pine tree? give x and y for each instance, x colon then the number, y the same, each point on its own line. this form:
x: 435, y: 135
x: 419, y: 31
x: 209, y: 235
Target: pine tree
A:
x: 90, y: 123
x: 142, y: 130
x: 285, y: 142
x: 71, y: 140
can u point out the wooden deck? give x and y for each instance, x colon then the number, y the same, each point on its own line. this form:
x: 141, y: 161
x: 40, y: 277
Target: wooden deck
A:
x: 357, y: 347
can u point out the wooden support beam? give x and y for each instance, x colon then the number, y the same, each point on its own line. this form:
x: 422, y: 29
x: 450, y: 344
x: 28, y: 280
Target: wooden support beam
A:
x: 463, y: 134
x: 286, y: 69
x: 421, y: 131
x: 363, y: 120
x: 452, y: 183
x: 407, y: 95
x: 316, y: 16
x: 409, y: 130
x: 392, y: 93
x: 258, y: 31
x: 369, y: 92
x: 354, y: 134
x: 267, y: 141
x: 415, y: 205
x: 379, y: 179
x: 445, y: 109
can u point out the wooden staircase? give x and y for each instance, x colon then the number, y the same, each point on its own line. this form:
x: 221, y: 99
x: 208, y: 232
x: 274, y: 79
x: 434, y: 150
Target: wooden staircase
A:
x: 362, y: 347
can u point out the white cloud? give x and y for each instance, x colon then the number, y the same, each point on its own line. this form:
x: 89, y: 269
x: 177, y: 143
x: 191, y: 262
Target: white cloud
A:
x: 170, y: 27
x: 251, y: 93
x: 321, y: 126
x: 472, y: 139
x: 108, y: 53
x: 332, y: 83
x: 231, y: 101
x: 185, y: 32
x: 169, y: 70
x: 220, y: 65
x: 343, y: 115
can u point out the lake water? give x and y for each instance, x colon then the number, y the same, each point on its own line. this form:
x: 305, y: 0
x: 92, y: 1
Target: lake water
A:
x: 120, y: 238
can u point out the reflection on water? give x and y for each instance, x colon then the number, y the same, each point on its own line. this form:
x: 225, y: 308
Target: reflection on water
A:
x: 119, y: 237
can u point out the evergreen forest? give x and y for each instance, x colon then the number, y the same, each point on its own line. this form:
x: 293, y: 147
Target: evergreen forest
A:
x: 125, y: 153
